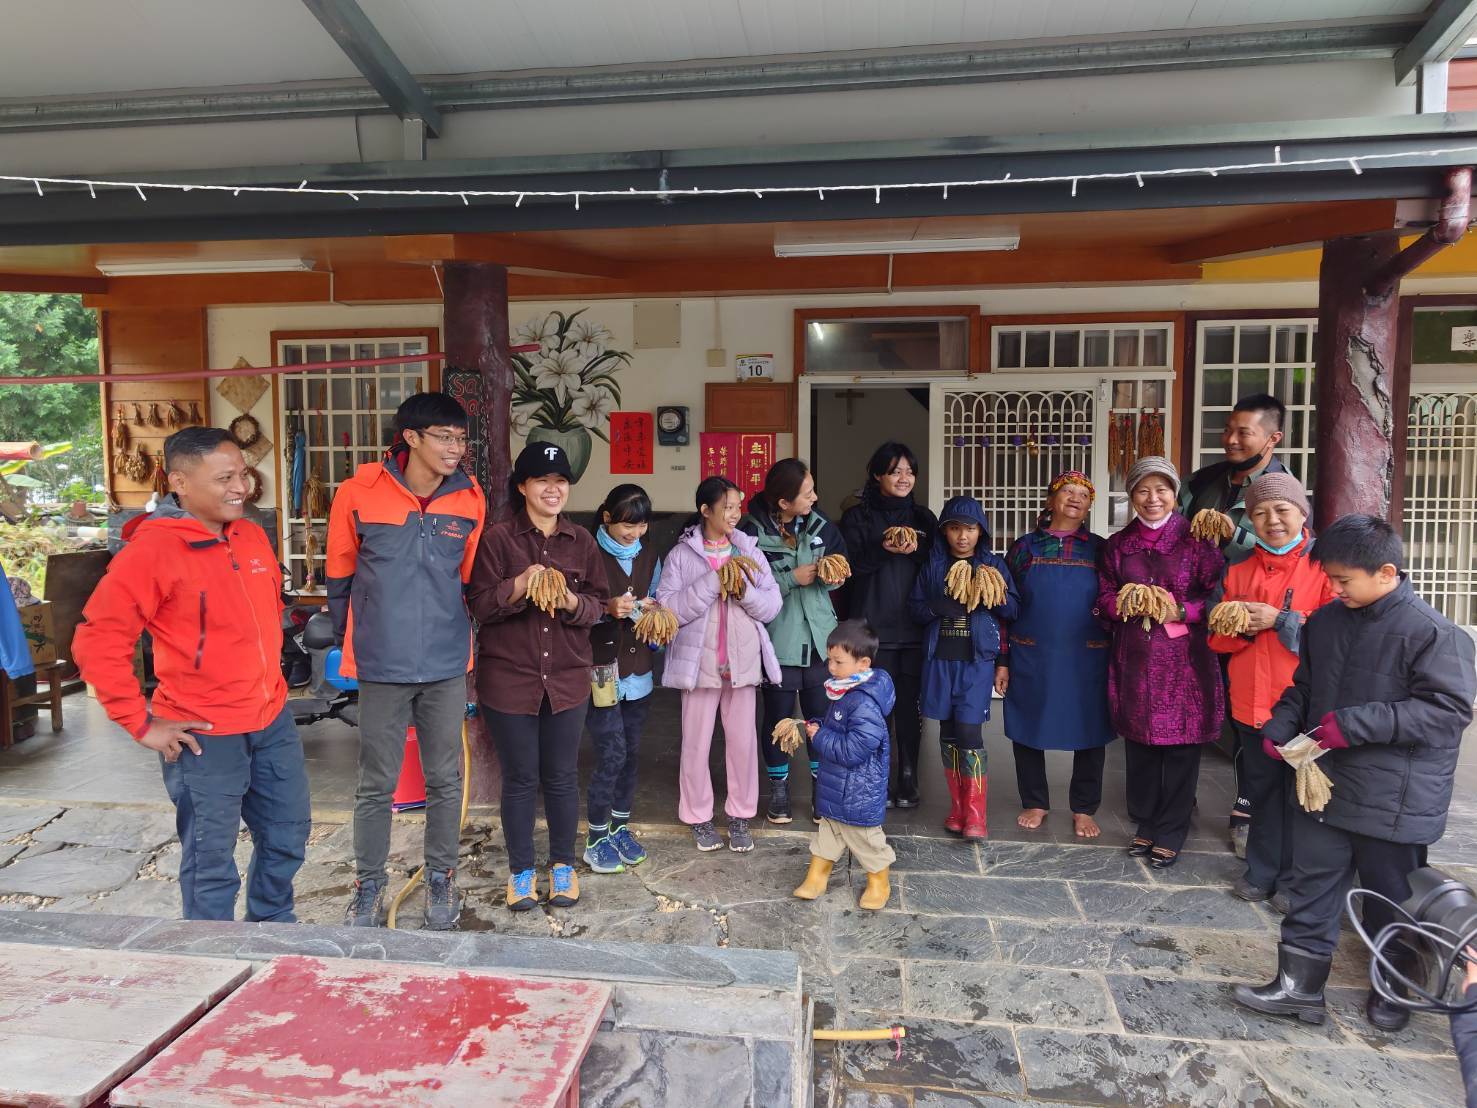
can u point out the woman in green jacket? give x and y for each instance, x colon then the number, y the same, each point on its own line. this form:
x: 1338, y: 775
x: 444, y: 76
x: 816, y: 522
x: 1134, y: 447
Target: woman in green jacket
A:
x: 794, y: 537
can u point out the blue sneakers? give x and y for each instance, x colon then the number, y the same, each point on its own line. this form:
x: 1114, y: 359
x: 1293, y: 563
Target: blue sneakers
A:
x: 631, y: 852
x: 602, y: 856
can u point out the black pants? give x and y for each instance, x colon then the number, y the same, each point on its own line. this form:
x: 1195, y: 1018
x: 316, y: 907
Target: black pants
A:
x: 1267, y: 784
x: 778, y: 704
x: 1086, y: 791
x: 616, y: 732
x: 1161, y: 790
x: 539, y: 751
x: 1323, y: 858
x: 905, y: 666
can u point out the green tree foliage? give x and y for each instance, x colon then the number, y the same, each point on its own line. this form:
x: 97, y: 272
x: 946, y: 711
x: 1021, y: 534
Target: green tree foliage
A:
x: 42, y: 334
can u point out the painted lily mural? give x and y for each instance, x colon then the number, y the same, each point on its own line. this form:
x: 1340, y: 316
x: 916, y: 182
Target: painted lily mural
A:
x: 566, y: 392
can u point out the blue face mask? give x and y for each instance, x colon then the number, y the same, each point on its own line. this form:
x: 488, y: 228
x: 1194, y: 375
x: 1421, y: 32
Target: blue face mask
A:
x: 1280, y: 549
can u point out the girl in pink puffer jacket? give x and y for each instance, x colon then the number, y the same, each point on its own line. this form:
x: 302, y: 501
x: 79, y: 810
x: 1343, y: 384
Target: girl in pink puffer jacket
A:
x: 720, y: 656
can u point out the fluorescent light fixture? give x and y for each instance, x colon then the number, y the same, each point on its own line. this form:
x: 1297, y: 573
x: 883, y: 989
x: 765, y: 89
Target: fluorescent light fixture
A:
x: 182, y: 267
x: 847, y: 247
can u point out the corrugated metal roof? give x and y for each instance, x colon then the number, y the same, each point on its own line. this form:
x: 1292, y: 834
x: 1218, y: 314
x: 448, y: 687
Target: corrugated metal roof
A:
x: 79, y: 47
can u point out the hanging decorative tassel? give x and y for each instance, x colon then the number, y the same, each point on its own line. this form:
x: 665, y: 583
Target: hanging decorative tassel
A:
x: 161, y: 479
x: 1115, y: 446
x: 155, y: 418
x: 1130, y: 444
x: 1151, y: 434
x: 139, y: 420
x: 196, y: 419
x: 177, y: 416
x: 1157, y: 419
x: 315, y: 497
x: 120, y: 437
x: 138, y: 465
x: 310, y: 561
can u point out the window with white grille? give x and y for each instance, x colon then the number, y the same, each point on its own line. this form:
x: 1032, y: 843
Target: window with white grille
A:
x: 1082, y: 346
x: 346, y: 417
x: 1440, y: 513
x: 1237, y: 359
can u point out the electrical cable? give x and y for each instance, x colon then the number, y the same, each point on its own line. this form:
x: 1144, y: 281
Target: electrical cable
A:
x: 1382, y: 970
x: 461, y: 825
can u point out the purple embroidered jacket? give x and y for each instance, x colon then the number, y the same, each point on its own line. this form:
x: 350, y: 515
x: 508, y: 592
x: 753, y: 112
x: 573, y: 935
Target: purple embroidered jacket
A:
x: 1163, y: 691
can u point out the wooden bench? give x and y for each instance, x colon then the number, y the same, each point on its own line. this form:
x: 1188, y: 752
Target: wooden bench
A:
x: 51, y: 673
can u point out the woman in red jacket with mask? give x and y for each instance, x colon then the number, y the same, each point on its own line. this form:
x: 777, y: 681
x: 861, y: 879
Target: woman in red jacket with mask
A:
x: 1279, y: 586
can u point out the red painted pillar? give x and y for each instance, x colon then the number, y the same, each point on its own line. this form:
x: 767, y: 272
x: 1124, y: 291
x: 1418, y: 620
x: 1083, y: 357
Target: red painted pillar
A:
x: 474, y: 302
x: 1355, y: 387
x: 475, y: 327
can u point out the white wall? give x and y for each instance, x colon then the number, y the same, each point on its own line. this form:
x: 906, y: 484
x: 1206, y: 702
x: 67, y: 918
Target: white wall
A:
x: 1323, y: 90
x: 749, y: 325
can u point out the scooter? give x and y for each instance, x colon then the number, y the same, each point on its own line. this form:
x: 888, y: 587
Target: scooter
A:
x: 334, y: 695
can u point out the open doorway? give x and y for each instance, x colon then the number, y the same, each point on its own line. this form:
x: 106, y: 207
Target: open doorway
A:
x: 850, y: 421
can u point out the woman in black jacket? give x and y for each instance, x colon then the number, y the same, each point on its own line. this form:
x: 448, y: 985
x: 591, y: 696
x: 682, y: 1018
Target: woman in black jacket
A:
x: 882, y: 573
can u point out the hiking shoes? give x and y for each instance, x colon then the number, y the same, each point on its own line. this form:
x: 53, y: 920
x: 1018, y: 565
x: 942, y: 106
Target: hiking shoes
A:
x: 631, y: 851
x: 564, y: 886
x: 603, y: 857
x: 706, y: 835
x: 739, y: 838
x: 523, y: 891
x: 367, y: 909
x: 443, y: 901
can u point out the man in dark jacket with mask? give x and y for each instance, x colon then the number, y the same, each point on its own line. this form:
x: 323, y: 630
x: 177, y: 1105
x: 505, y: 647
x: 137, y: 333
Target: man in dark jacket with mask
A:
x: 1385, y: 685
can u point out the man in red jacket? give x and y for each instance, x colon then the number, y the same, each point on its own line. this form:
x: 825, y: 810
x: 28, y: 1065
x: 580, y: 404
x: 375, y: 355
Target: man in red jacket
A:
x: 207, y: 587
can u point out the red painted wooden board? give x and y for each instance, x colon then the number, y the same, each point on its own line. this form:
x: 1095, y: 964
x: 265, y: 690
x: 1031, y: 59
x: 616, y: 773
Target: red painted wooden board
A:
x: 75, y: 1022
x: 341, y: 1032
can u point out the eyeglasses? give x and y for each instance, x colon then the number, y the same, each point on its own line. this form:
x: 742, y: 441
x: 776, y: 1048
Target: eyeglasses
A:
x: 443, y: 439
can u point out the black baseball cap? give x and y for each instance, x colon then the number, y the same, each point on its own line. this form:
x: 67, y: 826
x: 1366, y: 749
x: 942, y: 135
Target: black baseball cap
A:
x: 542, y: 459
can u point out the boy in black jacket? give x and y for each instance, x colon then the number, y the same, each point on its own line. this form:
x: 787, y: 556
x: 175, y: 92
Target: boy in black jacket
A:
x: 1384, y: 684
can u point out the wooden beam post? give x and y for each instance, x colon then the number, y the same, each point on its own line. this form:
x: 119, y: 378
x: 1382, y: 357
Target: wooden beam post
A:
x: 475, y: 324
x: 1357, y: 333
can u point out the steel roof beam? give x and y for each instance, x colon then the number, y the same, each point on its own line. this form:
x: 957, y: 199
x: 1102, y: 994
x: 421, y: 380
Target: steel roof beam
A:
x: 1440, y: 38
x: 923, y: 66
x: 371, y: 54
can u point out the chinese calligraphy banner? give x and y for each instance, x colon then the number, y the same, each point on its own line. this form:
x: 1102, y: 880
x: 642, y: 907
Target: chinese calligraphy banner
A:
x: 631, y: 437
x: 743, y: 458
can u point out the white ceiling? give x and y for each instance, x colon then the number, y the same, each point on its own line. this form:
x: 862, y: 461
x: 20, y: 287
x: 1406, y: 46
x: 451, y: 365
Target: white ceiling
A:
x: 66, y: 47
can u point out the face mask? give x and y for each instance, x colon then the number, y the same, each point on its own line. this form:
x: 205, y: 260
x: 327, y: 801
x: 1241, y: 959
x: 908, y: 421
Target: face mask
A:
x: 1280, y: 549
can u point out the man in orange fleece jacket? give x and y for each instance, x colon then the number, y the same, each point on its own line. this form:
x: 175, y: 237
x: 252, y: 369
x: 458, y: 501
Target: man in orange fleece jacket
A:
x: 207, y: 587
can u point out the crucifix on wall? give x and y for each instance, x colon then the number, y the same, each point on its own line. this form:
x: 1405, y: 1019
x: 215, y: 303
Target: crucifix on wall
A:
x: 849, y: 395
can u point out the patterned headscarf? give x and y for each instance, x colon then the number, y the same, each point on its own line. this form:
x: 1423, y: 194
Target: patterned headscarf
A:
x: 1071, y: 477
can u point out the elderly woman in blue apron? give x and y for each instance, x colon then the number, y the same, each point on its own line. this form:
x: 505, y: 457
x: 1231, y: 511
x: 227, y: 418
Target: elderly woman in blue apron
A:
x: 1054, y: 677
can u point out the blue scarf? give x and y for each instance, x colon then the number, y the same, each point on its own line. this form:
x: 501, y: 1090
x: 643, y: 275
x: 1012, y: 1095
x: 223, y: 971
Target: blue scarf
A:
x: 837, y: 687
x: 625, y: 555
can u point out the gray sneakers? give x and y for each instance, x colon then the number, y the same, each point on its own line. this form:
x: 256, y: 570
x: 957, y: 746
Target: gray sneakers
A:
x: 739, y: 838
x: 705, y: 835
x: 367, y: 909
x: 443, y: 901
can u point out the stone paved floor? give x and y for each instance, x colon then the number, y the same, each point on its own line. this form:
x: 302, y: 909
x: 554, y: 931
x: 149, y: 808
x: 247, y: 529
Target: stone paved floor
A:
x: 1029, y: 970
x: 1026, y: 973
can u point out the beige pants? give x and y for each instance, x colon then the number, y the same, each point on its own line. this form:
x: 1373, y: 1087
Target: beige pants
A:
x: 868, y: 845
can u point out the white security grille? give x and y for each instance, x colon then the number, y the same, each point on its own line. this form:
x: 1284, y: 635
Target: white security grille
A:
x: 1441, y: 501
x: 359, y: 402
x: 1236, y: 360
x: 1002, y: 448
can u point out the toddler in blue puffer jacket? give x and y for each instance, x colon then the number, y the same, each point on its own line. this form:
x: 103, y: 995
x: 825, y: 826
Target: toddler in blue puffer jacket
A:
x: 850, y: 743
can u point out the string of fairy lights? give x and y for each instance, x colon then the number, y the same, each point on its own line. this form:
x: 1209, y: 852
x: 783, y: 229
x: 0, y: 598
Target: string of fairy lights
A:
x: 663, y: 191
